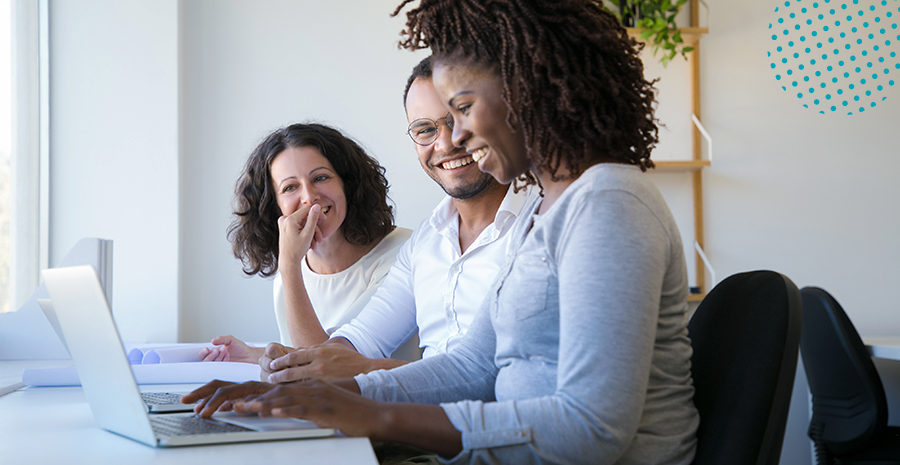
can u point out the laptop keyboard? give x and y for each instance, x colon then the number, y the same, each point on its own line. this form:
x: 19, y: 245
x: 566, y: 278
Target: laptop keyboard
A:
x: 184, y: 425
x: 161, y: 398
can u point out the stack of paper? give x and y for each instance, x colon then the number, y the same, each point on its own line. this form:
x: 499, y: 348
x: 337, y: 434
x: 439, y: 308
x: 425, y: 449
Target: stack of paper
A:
x: 156, y: 364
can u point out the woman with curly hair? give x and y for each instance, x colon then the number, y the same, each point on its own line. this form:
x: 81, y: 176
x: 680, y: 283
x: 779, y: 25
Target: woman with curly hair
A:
x: 580, y: 353
x: 311, y: 205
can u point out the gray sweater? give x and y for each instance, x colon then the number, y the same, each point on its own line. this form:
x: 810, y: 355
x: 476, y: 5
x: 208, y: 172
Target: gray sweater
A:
x: 580, y: 353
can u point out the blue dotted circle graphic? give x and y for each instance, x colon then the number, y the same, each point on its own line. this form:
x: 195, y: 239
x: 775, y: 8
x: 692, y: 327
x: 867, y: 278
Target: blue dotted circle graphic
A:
x: 836, y: 56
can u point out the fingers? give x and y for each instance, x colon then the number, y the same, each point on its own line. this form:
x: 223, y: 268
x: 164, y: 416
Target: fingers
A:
x: 286, y: 400
x: 226, y: 395
x: 203, y: 391
x: 275, y: 350
x: 289, y: 375
x: 299, y: 219
x: 224, y: 340
x: 317, y: 238
x: 216, y: 354
x: 309, y: 229
x: 291, y: 359
x: 272, y: 351
x: 305, y: 221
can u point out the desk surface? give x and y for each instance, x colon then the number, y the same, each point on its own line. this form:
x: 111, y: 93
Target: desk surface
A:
x: 55, y: 425
x: 884, y: 347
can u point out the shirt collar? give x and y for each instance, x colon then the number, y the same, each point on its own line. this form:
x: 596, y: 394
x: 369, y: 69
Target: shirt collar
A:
x: 509, y: 209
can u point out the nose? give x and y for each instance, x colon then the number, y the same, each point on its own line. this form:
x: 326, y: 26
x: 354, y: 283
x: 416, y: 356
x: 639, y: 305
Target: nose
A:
x: 444, y: 142
x: 308, y: 194
x: 460, y: 134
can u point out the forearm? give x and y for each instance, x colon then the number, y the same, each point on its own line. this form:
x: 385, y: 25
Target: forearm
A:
x: 303, y: 324
x: 371, y: 364
x: 256, y: 353
x: 423, y: 426
x: 384, y: 364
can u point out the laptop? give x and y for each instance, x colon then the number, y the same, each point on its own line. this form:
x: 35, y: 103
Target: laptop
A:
x: 155, y: 402
x: 110, y: 387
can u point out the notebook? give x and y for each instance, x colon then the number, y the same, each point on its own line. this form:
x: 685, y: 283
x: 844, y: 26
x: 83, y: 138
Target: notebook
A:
x: 155, y: 402
x: 110, y: 387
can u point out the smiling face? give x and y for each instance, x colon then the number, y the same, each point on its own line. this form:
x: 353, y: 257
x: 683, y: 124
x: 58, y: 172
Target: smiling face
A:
x: 303, y: 176
x: 474, y: 96
x: 451, y: 167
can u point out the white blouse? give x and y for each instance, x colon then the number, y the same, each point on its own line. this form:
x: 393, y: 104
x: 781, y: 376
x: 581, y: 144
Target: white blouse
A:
x: 337, y: 298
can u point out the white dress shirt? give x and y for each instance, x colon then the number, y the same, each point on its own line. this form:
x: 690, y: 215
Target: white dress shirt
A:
x: 337, y: 298
x: 433, y: 288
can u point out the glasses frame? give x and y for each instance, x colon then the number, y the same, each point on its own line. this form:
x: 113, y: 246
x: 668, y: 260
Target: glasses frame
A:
x: 448, y: 120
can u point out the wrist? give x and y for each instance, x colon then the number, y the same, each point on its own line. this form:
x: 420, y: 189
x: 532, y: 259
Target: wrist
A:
x: 290, y: 268
x: 384, y: 364
x: 257, y: 352
x: 387, y: 421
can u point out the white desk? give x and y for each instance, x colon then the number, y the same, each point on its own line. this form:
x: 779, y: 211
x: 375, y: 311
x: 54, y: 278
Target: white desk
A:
x: 55, y: 426
x: 886, y: 357
x: 883, y: 347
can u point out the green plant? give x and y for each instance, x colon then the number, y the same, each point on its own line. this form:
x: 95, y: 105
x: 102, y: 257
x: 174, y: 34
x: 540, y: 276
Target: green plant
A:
x: 657, y: 18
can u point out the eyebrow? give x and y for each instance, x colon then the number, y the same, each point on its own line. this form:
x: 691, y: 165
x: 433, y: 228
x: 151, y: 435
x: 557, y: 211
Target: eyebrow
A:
x: 280, y: 183
x: 458, y: 94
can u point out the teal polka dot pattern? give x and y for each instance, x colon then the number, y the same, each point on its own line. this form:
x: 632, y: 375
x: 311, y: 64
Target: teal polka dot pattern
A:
x: 843, y: 47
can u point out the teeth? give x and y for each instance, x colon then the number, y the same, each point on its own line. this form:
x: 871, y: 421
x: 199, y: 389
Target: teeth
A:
x: 453, y: 164
x: 325, y: 210
x: 479, y: 154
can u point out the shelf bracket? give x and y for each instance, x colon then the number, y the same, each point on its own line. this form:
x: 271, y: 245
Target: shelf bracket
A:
x: 707, y: 264
x: 706, y: 136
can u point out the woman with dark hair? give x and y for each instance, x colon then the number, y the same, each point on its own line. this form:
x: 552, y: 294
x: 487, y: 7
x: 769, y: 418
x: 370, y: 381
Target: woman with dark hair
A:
x: 580, y: 353
x: 311, y: 205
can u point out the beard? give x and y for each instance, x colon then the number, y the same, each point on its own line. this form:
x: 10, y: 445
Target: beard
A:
x: 468, y: 191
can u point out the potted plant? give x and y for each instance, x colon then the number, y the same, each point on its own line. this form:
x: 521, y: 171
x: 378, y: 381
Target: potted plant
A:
x: 657, y: 19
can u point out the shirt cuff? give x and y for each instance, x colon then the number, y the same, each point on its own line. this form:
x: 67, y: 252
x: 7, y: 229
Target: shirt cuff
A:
x: 480, y: 431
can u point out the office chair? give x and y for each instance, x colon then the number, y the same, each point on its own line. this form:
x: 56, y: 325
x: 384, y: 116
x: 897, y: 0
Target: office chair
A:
x: 849, y: 419
x: 745, y: 335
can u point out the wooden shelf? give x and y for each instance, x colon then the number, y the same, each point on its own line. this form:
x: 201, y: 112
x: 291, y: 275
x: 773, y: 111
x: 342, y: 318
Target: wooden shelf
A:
x: 696, y: 297
x: 690, y: 35
x: 695, y: 165
x: 667, y: 166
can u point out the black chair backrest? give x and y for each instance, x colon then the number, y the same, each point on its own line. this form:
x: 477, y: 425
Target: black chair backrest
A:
x: 849, y: 405
x: 745, y: 335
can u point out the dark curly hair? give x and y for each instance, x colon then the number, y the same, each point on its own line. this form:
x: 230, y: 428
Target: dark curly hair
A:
x: 581, y: 96
x: 254, y: 232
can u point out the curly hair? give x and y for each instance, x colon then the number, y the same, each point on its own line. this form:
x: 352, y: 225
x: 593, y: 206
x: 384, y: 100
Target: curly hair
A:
x: 254, y: 232
x: 577, y: 78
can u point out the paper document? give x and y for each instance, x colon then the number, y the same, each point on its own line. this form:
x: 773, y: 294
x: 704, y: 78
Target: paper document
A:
x: 164, y: 373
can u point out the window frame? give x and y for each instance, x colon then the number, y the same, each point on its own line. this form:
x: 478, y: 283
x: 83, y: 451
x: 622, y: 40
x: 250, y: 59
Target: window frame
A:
x: 30, y: 155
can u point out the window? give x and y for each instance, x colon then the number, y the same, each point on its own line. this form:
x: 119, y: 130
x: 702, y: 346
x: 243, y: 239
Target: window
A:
x: 23, y: 148
x: 5, y: 150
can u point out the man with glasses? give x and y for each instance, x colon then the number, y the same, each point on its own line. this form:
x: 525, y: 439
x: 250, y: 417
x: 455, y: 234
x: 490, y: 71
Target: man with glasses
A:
x: 442, y: 273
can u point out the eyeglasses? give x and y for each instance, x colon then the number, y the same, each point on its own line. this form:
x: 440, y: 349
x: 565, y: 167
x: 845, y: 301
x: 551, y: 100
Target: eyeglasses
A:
x: 425, y: 131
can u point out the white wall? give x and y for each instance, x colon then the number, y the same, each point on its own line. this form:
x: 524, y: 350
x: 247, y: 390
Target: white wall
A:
x: 114, y: 150
x: 156, y: 105
x: 812, y: 196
